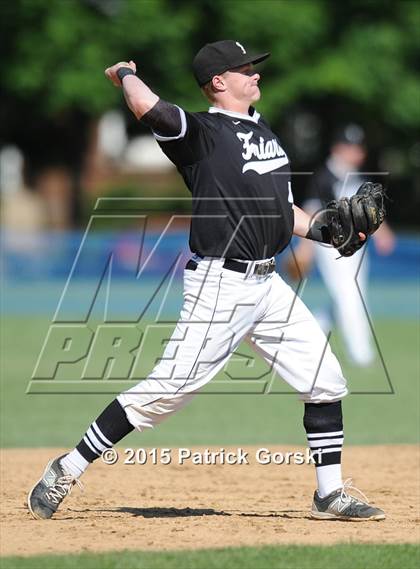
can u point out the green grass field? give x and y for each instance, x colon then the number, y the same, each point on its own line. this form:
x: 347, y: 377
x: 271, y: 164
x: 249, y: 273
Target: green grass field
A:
x: 30, y: 420
x: 286, y: 557
x: 38, y: 420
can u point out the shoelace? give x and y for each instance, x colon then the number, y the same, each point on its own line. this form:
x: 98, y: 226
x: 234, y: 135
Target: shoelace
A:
x: 345, y: 497
x: 62, y: 488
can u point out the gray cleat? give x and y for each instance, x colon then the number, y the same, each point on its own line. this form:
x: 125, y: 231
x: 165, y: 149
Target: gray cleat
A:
x: 341, y: 506
x: 48, y: 493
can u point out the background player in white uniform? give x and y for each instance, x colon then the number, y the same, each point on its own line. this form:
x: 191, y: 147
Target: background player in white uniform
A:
x: 243, y: 215
x: 340, y: 177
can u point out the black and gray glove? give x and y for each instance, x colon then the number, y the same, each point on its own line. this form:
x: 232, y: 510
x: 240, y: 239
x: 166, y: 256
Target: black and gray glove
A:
x: 347, y: 217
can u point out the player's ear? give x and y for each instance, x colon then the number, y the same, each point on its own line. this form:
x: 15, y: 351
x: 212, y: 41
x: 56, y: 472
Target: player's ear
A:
x: 218, y: 83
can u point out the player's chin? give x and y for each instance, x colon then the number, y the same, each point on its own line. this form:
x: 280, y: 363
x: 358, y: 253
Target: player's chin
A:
x: 255, y: 94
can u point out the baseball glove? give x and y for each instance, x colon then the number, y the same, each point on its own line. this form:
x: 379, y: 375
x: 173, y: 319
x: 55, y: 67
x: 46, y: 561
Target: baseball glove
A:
x: 362, y: 213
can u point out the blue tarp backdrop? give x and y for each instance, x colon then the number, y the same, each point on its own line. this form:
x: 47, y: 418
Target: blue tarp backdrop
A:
x: 36, y: 268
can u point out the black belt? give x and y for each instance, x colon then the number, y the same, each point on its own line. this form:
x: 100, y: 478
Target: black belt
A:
x: 260, y: 269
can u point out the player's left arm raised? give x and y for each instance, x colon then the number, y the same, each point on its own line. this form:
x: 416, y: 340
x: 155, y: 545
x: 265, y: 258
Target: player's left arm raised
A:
x: 144, y: 103
x: 345, y: 223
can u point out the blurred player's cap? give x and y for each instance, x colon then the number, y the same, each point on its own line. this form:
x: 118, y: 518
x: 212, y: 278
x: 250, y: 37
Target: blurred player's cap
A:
x: 350, y: 134
x: 220, y: 56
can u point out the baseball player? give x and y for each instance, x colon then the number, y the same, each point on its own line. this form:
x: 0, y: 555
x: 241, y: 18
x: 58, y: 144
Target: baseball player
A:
x: 340, y: 177
x: 243, y: 215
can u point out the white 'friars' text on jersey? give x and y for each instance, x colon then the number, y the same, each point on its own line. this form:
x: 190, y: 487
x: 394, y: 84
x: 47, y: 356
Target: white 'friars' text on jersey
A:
x: 239, y: 177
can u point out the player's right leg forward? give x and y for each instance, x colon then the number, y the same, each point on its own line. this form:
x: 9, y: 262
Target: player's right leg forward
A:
x: 196, y: 351
x: 46, y: 496
x: 63, y: 472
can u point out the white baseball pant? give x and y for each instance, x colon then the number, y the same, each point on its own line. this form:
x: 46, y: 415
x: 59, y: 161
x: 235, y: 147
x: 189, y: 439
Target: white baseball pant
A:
x: 339, y: 276
x: 221, y: 308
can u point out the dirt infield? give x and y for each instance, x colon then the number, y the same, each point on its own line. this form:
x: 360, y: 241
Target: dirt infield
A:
x: 167, y: 507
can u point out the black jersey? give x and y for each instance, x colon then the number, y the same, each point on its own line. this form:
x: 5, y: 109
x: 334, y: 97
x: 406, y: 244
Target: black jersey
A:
x: 330, y: 182
x: 321, y: 186
x: 239, y: 177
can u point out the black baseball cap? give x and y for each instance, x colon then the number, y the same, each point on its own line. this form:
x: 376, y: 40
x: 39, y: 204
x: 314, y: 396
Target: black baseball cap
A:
x: 350, y: 134
x: 220, y: 56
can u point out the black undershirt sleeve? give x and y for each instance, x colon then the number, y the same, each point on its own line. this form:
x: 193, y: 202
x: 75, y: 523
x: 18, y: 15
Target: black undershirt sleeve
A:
x: 184, y: 137
x: 319, y: 232
x: 164, y: 119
